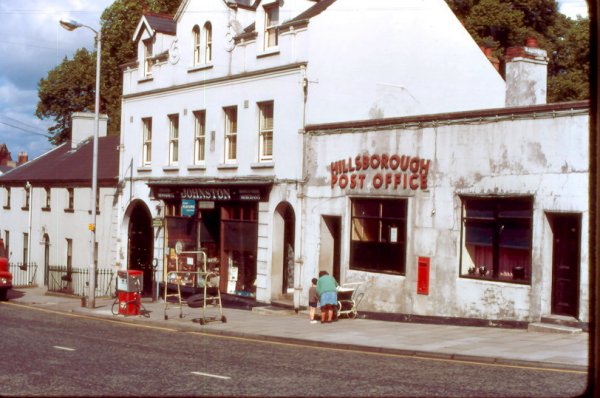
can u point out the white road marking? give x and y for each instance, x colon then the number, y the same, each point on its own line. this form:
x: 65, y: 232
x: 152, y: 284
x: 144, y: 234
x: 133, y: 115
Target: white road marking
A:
x: 211, y: 375
x: 63, y: 348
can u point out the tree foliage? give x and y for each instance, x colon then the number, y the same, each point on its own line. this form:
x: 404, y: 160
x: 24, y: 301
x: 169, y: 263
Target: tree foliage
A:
x: 70, y: 86
x: 506, y: 23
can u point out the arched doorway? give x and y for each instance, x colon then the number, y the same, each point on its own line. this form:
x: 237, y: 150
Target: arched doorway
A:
x: 283, y: 265
x: 140, y: 245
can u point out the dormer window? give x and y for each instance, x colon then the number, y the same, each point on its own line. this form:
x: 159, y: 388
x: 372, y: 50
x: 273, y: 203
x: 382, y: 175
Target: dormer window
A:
x: 148, y: 57
x: 196, y: 36
x: 271, y: 22
x: 207, y: 42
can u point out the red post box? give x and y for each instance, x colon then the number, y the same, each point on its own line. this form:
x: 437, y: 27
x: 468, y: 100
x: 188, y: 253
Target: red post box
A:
x: 129, y: 288
x: 423, y: 275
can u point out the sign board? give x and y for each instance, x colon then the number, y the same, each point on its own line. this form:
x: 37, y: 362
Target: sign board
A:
x: 157, y: 222
x: 188, y: 207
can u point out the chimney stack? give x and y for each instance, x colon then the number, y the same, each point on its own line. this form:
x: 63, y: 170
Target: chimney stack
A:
x: 488, y: 53
x: 526, y: 74
x: 82, y: 127
x: 23, y: 158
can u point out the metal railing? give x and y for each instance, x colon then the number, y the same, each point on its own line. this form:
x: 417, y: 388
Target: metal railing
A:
x: 23, y: 274
x: 74, y: 281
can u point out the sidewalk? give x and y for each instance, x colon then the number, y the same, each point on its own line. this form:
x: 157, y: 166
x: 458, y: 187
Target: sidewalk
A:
x: 493, y: 345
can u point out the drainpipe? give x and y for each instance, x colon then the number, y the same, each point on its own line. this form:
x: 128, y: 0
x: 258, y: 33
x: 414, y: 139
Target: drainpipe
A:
x: 30, y: 205
x: 300, y: 194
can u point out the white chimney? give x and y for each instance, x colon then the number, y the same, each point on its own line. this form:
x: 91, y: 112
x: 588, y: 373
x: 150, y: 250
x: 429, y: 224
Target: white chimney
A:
x: 526, y: 74
x: 82, y: 127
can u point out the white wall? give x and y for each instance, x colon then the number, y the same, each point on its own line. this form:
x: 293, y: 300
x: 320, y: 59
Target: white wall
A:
x: 545, y: 158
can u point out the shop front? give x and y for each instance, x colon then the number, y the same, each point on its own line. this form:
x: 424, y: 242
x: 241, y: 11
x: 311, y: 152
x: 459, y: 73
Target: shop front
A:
x: 220, y: 220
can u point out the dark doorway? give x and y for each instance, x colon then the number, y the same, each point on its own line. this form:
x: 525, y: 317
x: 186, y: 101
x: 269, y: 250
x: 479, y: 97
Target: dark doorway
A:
x: 288, y: 253
x: 46, y: 258
x: 331, y: 234
x: 140, y: 246
x: 566, y: 230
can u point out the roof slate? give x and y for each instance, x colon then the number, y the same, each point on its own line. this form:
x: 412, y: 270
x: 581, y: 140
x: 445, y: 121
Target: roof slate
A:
x: 163, y: 23
x: 73, y: 167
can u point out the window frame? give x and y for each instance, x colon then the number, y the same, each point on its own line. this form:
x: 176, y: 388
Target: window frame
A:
x: 199, y: 136
x: 70, y: 200
x: 48, y: 201
x: 271, y: 30
x: 7, y: 198
x: 265, y: 131
x: 148, y: 45
x: 197, y: 44
x: 173, y: 139
x: 231, y: 127
x: 146, y: 141
x: 26, y: 198
x: 481, y: 238
x: 207, y: 42
x: 382, y: 254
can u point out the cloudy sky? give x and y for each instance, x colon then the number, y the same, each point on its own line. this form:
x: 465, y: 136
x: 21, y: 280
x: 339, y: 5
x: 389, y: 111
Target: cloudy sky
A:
x: 34, y: 43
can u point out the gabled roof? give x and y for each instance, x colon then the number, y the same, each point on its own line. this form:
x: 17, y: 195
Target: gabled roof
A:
x: 310, y: 12
x: 302, y: 18
x: 64, y: 166
x: 156, y: 23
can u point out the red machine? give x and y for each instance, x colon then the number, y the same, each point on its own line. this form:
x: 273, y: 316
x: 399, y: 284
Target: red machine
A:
x: 5, y: 275
x: 129, y: 288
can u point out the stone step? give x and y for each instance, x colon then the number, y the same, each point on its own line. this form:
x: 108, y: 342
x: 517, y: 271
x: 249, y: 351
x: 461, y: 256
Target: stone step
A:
x: 552, y: 328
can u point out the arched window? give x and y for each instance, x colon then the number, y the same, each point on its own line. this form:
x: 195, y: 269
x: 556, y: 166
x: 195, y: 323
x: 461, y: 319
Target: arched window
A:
x: 207, y: 42
x: 196, y: 35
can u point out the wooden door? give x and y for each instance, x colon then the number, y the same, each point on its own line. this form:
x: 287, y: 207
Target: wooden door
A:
x: 566, y: 230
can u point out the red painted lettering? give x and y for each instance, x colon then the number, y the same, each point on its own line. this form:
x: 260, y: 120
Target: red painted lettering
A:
x: 375, y: 161
x: 414, y: 165
x: 384, y: 161
x: 377, y: 181
x: 343, y: 181
x: 414, y: 183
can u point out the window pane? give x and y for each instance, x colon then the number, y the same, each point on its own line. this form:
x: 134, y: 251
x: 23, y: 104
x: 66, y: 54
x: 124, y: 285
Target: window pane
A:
x: 365, y: 230
x: 366, y: 208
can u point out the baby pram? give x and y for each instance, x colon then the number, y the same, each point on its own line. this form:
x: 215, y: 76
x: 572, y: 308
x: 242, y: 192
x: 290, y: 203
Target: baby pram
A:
x: 349, y: 298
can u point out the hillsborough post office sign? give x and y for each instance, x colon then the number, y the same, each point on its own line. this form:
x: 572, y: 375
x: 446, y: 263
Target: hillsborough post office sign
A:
x: 380, y: 171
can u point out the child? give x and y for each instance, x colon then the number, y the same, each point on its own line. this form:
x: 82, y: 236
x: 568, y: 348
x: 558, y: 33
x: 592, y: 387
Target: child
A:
x: 313, y: 299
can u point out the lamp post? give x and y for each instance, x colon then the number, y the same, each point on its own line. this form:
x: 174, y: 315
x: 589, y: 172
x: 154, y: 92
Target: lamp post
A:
x: 70, y: 25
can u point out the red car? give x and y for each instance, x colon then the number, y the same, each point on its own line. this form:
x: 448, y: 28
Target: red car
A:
x: 5, y: 275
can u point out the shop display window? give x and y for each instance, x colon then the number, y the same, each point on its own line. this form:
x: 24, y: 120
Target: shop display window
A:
x: 496, y: 238
x: 378, y: 235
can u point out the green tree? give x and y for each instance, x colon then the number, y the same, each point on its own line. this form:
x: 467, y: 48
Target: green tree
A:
x: 505, y: 23
x: 70, y: 86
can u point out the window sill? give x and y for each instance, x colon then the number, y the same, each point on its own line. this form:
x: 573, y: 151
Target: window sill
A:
x: 263, y: 165
x: 197, y: 167
x: 268, y: 52
x: 227, y: 166
x: 25, y: 208
x: 6, y: 207
x: 97, y: 212
x: 170, y: 169
x: 46, y: 209
x: 483, y: 279
x: 69, y: 211
x: 144, y: 169
x: 145, y: 79
x: 198, y: 68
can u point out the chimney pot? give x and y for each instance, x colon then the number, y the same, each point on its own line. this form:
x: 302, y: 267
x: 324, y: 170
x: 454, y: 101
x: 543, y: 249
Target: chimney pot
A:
x: 531, y: 42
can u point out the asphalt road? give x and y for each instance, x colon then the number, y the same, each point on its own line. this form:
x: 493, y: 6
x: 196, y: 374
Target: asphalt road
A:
x: 50, y: 353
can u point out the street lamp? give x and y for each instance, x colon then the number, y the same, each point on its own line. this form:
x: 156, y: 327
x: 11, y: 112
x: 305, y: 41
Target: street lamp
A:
x: 70, y: 25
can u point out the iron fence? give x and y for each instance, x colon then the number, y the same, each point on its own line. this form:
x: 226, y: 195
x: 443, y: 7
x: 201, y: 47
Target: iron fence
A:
x: 23, y: 274
x: 74, y: 281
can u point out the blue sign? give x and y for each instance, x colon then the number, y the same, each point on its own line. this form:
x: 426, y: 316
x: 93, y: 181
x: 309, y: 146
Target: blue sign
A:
x: 188, y: 207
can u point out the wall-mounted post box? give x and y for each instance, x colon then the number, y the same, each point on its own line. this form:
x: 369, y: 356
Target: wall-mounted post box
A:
x: 423, y: 275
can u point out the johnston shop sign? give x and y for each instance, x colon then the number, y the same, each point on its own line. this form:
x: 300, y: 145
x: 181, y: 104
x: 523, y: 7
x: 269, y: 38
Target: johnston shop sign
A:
x: 380, y: 171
